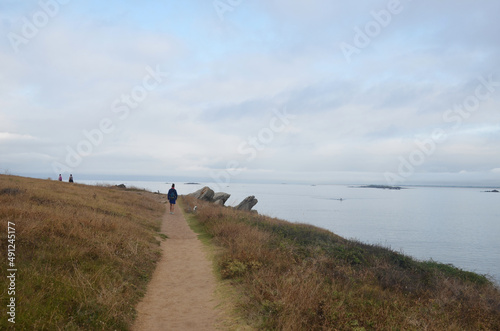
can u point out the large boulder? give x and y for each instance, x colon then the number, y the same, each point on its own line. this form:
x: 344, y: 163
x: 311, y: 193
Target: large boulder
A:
x: 247, y: 204
x: 206, y: 194
x: 220, y: 198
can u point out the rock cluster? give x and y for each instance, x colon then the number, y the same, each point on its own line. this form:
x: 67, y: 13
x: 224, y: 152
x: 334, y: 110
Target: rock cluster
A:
x: 247, y: 203
x: 205, y: 194
x: 220, y: 198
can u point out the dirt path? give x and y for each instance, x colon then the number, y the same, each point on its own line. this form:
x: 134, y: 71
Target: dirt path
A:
x: 181, y: 294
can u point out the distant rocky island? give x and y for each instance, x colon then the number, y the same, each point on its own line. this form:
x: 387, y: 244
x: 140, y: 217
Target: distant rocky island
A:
x: 493, y: 191
x: 384, y: 187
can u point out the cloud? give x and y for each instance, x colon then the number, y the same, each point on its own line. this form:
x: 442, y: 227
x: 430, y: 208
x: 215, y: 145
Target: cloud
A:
x: 225, y: 78
x: 14, y: 137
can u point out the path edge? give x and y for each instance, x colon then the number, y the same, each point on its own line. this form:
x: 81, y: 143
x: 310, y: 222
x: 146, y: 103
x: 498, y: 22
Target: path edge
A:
x: 227, y: 296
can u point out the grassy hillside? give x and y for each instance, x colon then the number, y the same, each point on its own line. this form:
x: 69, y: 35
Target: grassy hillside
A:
x: 299, y: 277
x: 83, y: 254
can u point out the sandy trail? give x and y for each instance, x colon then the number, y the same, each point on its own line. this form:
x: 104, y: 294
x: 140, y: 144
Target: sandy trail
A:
x: 181, y: 294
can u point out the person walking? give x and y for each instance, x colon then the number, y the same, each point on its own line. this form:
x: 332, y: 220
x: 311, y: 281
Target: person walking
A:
x: 70, y: 178
x: 172, y: 198
x: 60, y: 177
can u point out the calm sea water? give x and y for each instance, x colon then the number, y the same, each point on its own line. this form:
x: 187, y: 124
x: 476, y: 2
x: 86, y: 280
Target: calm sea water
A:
x: 460, y: 226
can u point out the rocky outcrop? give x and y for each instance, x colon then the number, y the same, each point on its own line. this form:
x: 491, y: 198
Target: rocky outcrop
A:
x: 247, y: 204
x: 206, y: 194
x: 220, y: 198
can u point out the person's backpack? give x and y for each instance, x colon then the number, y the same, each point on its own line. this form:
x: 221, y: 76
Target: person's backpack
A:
x: 171, y: 195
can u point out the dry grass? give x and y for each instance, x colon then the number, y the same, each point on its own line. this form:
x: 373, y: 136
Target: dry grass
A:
x: 299, y: 277
x: 84, y: 254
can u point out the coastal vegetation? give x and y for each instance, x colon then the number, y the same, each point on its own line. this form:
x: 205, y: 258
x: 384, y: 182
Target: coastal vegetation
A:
x: 83, y: 254
x: 299, y: 277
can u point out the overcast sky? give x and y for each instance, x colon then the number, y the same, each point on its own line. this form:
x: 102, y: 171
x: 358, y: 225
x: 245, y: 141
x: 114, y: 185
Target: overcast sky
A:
x: 318, y: 91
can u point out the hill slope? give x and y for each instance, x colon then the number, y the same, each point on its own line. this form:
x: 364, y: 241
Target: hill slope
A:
x: 299, y: 277
x: 83, y: 254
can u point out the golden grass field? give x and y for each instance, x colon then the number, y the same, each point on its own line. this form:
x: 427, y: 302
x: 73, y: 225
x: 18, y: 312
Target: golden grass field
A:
x: 299, y: 277
x: 83, y: 254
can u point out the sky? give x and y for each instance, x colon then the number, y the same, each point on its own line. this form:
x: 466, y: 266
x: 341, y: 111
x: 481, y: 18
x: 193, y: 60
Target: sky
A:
x: 390, y: 92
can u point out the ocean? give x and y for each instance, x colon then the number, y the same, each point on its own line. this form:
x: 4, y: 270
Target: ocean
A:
x: 452, y: 225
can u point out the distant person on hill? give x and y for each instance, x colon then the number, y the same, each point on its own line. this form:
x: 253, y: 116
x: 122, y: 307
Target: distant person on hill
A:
x: 60, y: 177
x: 172, y: 197
x: 71, y: 178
